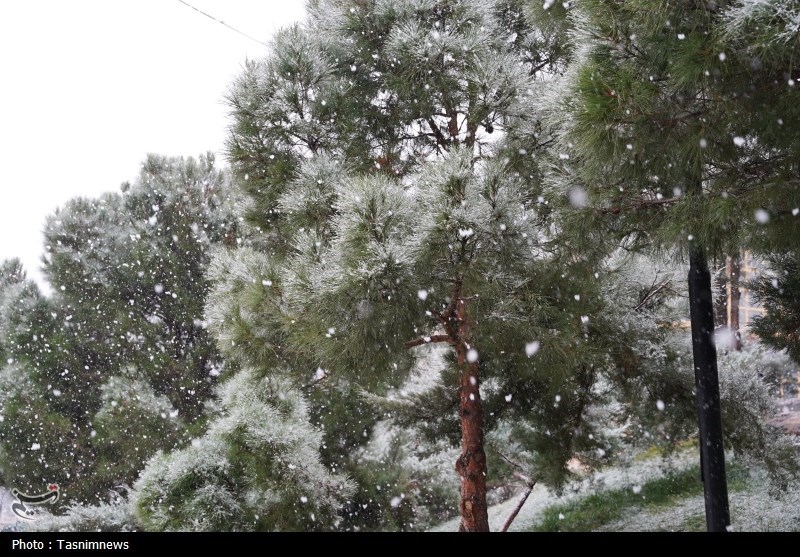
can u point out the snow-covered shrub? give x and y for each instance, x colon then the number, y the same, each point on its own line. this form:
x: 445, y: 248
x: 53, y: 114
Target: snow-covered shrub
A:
x: 747, y: 406
x: 114, y: 516
x: 257, y: 468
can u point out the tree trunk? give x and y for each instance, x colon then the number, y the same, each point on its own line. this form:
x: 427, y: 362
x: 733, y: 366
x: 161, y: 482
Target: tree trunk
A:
x: 471, y: 464
x: 712, y: 455
x: 719, y: 283
x: 733, y: 268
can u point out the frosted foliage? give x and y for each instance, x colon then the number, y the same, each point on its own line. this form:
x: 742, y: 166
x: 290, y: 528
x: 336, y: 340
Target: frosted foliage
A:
x: 94, y: 239
x: 432, y: 464
x: 426, y: 465
x: 13, y: 381
x: 467, y: 45
x: 746, y: 402
x: 248, y: 471
x: 452, y: 58
x: 17, y: 298
x: 238, y: 276
x: 285, y: 94
x: 203, y: 462
x: 310, y: 196
x: 776, y: 20
x: 451, y: 192
x: 468, y: 31
x: 373, y: 224
x: 554, y: 95
x: 115, y: 516
x: 647, y: 282
x: 497, y: 77
x: 132, y: 392
x: 369, y: 208
x: 743, y: 372
x: 481, y: 206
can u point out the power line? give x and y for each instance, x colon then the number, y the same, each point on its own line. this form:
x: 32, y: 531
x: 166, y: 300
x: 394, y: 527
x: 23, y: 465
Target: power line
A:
x: 223, y: 23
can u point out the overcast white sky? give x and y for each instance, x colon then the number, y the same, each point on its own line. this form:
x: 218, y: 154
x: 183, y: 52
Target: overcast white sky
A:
x: 89, y: 87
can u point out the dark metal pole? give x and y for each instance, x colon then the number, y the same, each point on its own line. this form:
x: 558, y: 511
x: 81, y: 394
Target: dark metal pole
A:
x: 712, y: 454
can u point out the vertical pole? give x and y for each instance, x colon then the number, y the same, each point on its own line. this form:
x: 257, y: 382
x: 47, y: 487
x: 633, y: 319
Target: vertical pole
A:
x: 712, y: 454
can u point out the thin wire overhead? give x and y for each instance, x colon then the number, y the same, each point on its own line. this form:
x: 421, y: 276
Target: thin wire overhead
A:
x: 242, y: 33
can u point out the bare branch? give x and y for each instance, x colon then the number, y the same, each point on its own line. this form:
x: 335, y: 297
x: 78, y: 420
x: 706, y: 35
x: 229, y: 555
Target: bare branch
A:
x: 651, y: 293
x: 316, y: 381
x: 525, y: 494
x: 443, y: 142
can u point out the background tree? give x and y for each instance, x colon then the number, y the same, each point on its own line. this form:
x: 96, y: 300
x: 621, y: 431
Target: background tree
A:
x: 761, y: 36
x: 665, y: 136
x: 116, y: 363
x: 258, y: 466
x: 777, y: 292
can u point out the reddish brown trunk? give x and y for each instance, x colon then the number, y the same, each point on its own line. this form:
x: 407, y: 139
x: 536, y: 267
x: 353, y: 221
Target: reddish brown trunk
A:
x: 471, y: 464
x: 733, y: 269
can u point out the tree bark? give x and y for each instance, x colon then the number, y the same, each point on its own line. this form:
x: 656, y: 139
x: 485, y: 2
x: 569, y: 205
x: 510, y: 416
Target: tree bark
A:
x: 712, y: 454
x: 733, y: 268
x: 471, y: 464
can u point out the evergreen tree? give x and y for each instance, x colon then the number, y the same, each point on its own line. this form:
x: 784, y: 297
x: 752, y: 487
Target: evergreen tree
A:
x: 116, y: 363
x: 668, y: 143
x: 16, y: 295
x: 258, y: 466
x: 391, y: 217
x: 762, y: 37
x: 778, y: 292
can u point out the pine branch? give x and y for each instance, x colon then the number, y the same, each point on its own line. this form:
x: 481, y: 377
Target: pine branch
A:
x: 528, y: 489
x: 639, y: 204
x: 651, y: 293
x: 539, y: 66
x: 516, y: 465
x: 441, y: 140
x: 316, y: 381
x: 439, y: 317
x: 429, y: 340
x: 530, y: 483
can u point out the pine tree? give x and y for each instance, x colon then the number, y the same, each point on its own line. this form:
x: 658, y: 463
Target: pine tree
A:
x: 116, y: 363
x: 762, y: 37
x: 16, y: 294
x: 668, y: 143
x: 777, y: 292
x: 386, y: 151
x: 258, y: 466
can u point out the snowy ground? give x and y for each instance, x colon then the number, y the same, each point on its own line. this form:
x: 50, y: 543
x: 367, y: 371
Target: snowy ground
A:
x: 8, y: 520
x: 614, y: 478
x: 753, y: 510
